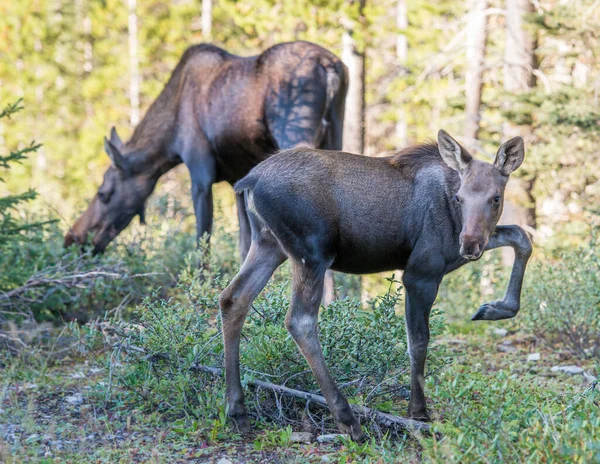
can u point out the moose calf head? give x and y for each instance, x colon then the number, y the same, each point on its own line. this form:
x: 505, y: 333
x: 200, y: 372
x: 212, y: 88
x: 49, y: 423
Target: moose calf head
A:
x: 121, y: 196
x: 481, y: 193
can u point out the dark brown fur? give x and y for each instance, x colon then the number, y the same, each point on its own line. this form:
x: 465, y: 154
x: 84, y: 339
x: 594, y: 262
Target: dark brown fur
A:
x: 220, y: 115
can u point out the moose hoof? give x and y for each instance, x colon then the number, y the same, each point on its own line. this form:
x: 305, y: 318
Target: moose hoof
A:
x: 354, y: 430
x: 241, y: 422
x: 421, y: 416
x: 495, y: 311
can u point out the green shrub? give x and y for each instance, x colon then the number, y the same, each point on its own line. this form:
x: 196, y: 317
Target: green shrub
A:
x: 504, y: 416
x: 165, y: 352
x: 41, y: 280
x: 563, y: 300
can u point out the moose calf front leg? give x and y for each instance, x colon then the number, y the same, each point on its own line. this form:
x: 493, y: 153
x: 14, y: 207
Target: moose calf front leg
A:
x: 301, y: 321
x: 507, y: 307
x: 420, y: 295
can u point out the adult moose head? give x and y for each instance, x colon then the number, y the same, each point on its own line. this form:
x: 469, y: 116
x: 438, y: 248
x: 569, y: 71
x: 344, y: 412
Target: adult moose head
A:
x: 123, y: 193
x: 291, y: 94
x: 427, y: 210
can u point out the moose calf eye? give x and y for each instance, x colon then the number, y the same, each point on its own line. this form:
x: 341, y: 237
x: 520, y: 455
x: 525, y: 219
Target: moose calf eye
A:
x: 456, y: 199
x: 103, y: 197
x: 496, y: 199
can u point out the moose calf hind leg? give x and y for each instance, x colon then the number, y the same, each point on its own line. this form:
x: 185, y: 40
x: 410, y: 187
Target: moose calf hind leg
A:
x: 262, y: 260
x: 301, y: 322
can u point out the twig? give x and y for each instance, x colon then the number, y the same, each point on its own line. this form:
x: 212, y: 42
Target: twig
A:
x: 68, y: 280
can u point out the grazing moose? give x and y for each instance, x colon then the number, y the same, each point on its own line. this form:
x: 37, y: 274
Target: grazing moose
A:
x: 221, y: 115
x: 427, y: 210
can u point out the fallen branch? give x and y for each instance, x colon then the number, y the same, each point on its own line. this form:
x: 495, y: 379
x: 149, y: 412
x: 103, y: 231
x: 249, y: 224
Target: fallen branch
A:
x: 387, y: 420
x: 69, y: 281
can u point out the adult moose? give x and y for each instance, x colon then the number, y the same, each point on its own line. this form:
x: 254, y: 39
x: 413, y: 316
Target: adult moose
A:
x: 427, y: 210
x: 221, y: 115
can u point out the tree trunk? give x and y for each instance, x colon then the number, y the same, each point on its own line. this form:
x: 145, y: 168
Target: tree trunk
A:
x: 519, y: 52
x: 354, y: 119
x: 354, y: 116
x: 402, y: 56
x: 519, y: 64
x: 206, y: 20
x: 475, y: 54
x: 134, y: 74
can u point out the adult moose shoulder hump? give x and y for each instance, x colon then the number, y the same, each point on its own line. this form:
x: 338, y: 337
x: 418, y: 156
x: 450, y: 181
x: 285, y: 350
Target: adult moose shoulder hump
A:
x: 220, y: 115
x: 427, y: 210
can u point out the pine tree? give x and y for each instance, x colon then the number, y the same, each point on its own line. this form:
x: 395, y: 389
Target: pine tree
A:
x: 11, y: 228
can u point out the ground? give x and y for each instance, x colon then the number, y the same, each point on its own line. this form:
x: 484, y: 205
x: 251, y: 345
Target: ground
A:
x: 486, y: 404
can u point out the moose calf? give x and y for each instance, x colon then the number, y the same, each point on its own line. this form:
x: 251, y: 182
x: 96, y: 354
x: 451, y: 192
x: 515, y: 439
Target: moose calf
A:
x: 427, y: 210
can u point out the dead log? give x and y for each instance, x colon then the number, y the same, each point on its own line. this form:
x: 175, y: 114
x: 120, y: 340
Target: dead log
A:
x: 382, y: 418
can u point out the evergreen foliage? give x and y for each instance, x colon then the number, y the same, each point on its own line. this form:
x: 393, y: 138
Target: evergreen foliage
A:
x: 12, y: 226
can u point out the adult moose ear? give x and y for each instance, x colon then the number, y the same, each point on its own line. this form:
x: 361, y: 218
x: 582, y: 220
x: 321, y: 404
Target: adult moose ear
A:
x: 118, y: 160
x: 115, y: 139
x: 452, y: 153
x: 510, y: 155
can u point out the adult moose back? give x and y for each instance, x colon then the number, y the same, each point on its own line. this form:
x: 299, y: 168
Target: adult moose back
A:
x: 221, y: 115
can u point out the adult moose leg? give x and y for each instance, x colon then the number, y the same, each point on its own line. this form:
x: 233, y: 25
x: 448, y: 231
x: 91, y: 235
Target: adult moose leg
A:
x: 421, y: 290
x: 507, y: 307
x: 245, y: 230
x: 301, y: 322
x: 203, y: 172
x: 264, y: 256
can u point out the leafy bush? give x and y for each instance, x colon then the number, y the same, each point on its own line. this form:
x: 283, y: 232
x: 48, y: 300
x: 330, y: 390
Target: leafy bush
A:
x: 503, y: 416
x: 172, y: 351
x: 563, y: 300
x: 41, y: 280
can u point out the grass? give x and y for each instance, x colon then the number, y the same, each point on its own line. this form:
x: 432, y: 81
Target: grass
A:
x: 489, y: 406
x: 62, y: 403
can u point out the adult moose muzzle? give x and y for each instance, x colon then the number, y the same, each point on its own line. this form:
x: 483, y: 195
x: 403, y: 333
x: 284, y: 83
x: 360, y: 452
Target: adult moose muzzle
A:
x: 427, y: 210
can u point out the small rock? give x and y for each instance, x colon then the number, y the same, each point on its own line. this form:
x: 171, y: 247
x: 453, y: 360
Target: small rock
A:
x: 325, y: 459
x: 571, y: 370
x: 453, y: 341
x: 506, y: 348
x: 301, y: 437
x: 77, y: 375
x: 75, y: 399
x: 224, y: 461
x: 533, y: 357
x: 329, y: 438
x: 501, y: 332
x: 96, y: 370
x: 32, y: 438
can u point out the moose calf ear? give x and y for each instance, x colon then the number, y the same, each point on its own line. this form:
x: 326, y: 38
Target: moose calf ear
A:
x: 452, y: 153
x: 118, y: 160
x: 510, y: 156
x: 115, y: 139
